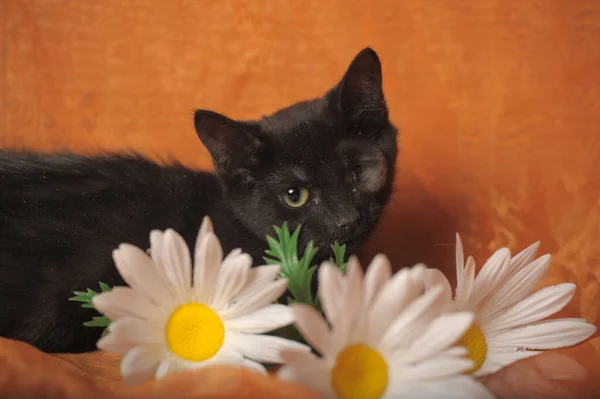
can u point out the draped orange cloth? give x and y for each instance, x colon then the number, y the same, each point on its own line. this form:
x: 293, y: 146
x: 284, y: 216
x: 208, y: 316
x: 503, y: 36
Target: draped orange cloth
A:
x: 498, y: 102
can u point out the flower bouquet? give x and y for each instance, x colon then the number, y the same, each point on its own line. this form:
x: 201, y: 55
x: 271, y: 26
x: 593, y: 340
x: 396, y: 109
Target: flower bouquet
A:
x: 371, y: 334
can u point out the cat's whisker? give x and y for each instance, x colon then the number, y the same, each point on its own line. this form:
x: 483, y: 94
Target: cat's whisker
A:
x: 444, y: 245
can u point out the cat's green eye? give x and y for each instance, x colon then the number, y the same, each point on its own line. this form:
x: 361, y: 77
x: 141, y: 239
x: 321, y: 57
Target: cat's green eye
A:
x: 295, y: 197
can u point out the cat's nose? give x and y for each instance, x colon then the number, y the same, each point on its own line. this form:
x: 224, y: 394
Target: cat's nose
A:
x: 349, y: 220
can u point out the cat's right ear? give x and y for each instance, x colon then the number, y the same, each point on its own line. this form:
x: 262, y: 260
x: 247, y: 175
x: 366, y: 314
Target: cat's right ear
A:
x: 233, y: 145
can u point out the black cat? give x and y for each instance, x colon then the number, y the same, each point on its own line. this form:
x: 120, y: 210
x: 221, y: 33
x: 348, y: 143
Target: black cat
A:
x: 327, y: 163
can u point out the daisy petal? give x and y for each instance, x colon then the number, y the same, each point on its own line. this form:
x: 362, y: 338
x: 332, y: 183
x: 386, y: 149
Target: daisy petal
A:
x: 177, y: 261
x: 416, y: 275
x: 263, y: 348
x: 140, y: 363
x: 463, y: 293
x: 205, y: 227
x: 414, y: 320
x: 157, y: 253
x: 163, y: 369
x: 437, y: 367
x: 514, y: 289
x: 234, y: 253
x: 492, y: 274
x: 299, y: 358
x: 523, y: 258
x: 434, y: 277
x: 207, y: 263
x: 455, y: 351
x: 313, y: 328
x: 460, y: 262
x: 539, y: 305
x: 441, y: 334
x: 330, y: 290
x: 354, y: 282
x: 497, y: 359
x: 136, y: 330
x: 231, y: 279
x: 459, y: 387
x: 377, y: 275
x: 266, y: 319
x: 263, y: 274
x: 256, y: 278
x: 124, y: 301
x: 351, y: 323
x: 550, y: 334
x: 156, y: 245
x: 126, y: 333
x: 258, y: 299
x: 138, y: 271
x: 254, y: 366
x: 228, y: 354
x: 486, y: 368
x: 393, y: 297
x: 112, y: 343
x: 314, y: 374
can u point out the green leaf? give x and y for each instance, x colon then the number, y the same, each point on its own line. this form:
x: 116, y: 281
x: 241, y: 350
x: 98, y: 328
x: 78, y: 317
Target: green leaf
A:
x: 283, y: 250
x: 276, y: 247
x: 272, y: 254
x: 294, y: 239
x: 86, y: 298
x: 79, y: 298
x: 309, y: 254
x: 271, y: 261
x: 104, y: 287
x: 101, y: 321
x: 339, y: 253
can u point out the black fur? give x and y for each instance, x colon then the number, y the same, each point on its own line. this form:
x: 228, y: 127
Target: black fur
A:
x: 62, y: 214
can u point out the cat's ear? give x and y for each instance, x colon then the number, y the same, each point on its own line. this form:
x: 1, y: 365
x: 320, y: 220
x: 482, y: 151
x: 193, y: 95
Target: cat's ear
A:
x: 233, y: 145
x: 360, y: 93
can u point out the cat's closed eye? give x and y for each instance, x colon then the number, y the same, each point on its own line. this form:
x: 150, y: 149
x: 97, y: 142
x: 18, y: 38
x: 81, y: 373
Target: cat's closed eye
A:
x: 295, y: 197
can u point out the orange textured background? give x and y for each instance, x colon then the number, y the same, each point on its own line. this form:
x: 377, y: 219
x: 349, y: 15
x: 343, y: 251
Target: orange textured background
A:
x: 498, y: 102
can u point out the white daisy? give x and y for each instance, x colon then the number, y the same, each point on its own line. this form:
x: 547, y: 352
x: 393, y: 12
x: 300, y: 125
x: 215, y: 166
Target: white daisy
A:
x: 507, y: 325
x: 386, y: 340
x: 163, y: 323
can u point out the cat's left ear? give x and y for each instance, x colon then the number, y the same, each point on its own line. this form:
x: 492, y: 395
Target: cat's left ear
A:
x: 360, y: 93
x: 233, y: 145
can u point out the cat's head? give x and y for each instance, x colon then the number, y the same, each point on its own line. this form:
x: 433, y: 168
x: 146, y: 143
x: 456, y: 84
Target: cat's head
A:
x: 327, y: 164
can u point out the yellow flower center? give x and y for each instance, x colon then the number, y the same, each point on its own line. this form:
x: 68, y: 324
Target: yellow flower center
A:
x: 474, y: 341
x: 194, y: 332
x: 359, y: 373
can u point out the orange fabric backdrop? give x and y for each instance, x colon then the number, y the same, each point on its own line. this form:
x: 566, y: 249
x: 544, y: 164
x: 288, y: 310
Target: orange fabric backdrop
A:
x: 498, y: 102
